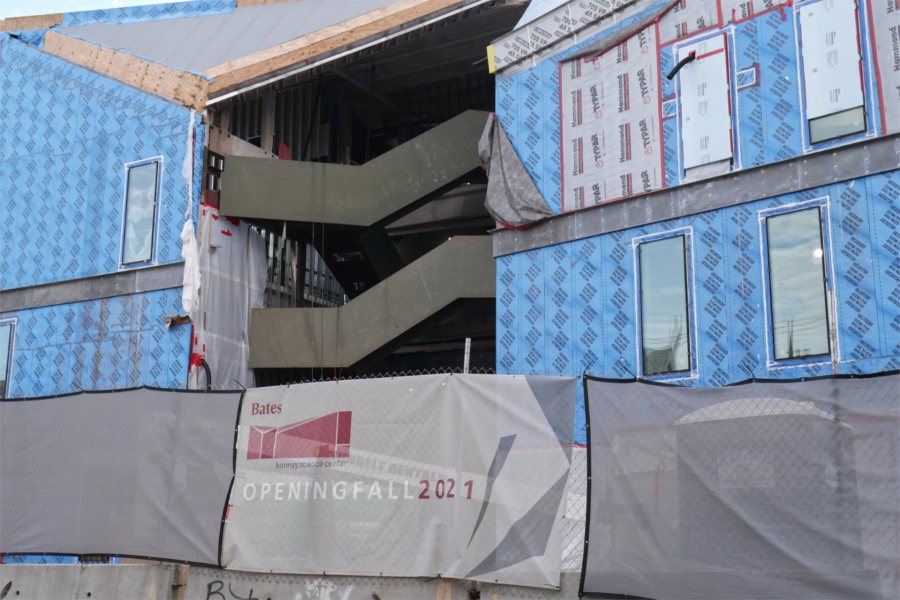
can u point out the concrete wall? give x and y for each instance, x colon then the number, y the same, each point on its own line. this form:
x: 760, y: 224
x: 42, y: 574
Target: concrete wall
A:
x: 162, y: 582
x: 97, y: 582
x: 67, y: 134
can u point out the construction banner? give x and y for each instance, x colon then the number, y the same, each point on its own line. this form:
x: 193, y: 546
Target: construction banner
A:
x: 140, y: 472
x: 767, y: 489
x: 459, y: 476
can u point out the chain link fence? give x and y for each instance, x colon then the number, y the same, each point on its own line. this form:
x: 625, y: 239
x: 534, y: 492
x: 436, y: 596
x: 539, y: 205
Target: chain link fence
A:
x: 575, y: 503
x: 787, y: 488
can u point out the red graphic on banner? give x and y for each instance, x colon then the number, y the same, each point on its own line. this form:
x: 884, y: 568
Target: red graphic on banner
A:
x: 322, y: 437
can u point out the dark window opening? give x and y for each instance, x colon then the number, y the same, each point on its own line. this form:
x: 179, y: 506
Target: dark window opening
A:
x: 797, y: 291
x: 665, y: 328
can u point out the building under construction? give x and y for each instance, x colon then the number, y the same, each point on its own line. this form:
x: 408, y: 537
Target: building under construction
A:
x: 324, y: 156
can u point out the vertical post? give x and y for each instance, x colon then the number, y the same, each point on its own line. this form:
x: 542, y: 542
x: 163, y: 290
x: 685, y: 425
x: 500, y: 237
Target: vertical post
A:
x: 267, y: 125
x: 467, y: 355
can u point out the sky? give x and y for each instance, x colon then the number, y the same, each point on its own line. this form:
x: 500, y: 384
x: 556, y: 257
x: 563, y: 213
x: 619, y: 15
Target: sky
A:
x: 24, y: 8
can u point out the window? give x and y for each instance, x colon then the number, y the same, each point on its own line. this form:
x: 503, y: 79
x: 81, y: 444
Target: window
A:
x: 797, y: 284
x: 140, y: 212
x: 665, y: 329
x: 7, y: 329
x: 705, y: 104
x: 832, y: 72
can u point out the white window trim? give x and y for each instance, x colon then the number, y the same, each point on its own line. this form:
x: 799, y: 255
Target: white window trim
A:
x: 12, y: 349
x: 123, y: 266
x: 693, y: 373
x: 824, y: 205
x: 867, y: 83
x: 733, y: 99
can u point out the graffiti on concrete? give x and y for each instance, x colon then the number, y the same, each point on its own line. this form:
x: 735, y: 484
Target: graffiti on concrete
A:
x: 322, y: 589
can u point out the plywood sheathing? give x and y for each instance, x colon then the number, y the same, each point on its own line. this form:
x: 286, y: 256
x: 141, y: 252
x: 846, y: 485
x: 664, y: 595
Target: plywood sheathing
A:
x: 28, y: 23
x: 185, y: 88
x: 325, y: 40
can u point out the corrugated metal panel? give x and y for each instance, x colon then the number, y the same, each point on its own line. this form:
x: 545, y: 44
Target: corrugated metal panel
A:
x: 197, y: 44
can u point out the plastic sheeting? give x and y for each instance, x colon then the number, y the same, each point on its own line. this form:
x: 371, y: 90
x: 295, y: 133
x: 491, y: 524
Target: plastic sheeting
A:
x: 190, y: 291
x: 512, y: 197
x: 461, y: 476
x: 141, y: 472
x: 233, y: 274
x: 760, y: 490
x: 610, y: 129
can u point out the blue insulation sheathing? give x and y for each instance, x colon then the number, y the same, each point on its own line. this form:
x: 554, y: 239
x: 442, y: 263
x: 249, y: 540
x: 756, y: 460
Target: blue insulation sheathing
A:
x: 66, y: 136
x: 769, y: 125
x: 527, y: 106
x: 150, y: 12
x: 113, y: 343
x: 571, y: 309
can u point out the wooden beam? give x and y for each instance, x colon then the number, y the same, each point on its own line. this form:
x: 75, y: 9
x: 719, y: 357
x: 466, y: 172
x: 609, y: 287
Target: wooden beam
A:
x: 164, y: 81
x: 222, y: 142
x: 325, y: 40
x: 28, y: 23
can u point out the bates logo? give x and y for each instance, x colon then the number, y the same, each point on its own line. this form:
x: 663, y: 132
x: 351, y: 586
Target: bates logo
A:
x: 265, y: 409
x: 321, y: 437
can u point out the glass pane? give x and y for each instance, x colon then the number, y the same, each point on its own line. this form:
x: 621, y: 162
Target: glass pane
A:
x: 837, y: 125
x: 664, y: 322
x: 140, y: 209
x: 797, y: 278
x: 5, y: 346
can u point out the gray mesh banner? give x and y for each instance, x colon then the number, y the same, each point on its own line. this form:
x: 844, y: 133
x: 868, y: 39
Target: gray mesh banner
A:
x: 459, y: 476
x: 137, y: 473
x: 759, y: 490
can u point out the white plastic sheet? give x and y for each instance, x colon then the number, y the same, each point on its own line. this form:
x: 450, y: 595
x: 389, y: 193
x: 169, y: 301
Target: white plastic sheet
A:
x: 610, y: 123
x: 232, y: 261
x: 460, y: 476
x: 831, y: 69
x: 704, y: 103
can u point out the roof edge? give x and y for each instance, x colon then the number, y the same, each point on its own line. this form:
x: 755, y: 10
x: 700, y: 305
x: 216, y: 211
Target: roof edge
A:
x: 243, y: 3
x: 185, y: 88
x: 31, y: 22
x: 325, y: 40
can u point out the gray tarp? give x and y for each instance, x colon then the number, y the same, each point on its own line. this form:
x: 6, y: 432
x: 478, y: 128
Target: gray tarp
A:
x: 512, y: 197
x: 140, y: 472
x: 759, y: 490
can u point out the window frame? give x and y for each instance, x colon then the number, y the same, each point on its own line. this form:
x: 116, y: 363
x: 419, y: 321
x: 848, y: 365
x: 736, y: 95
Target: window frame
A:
x: 158, y: 160
x: 13, y: 323
x: 823, y: 204
x: 868, y: 98
x: 692, y: 372
x: 735, y: 161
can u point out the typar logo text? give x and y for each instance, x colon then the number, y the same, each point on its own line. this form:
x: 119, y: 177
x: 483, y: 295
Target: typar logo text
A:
x: 321, y: 437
